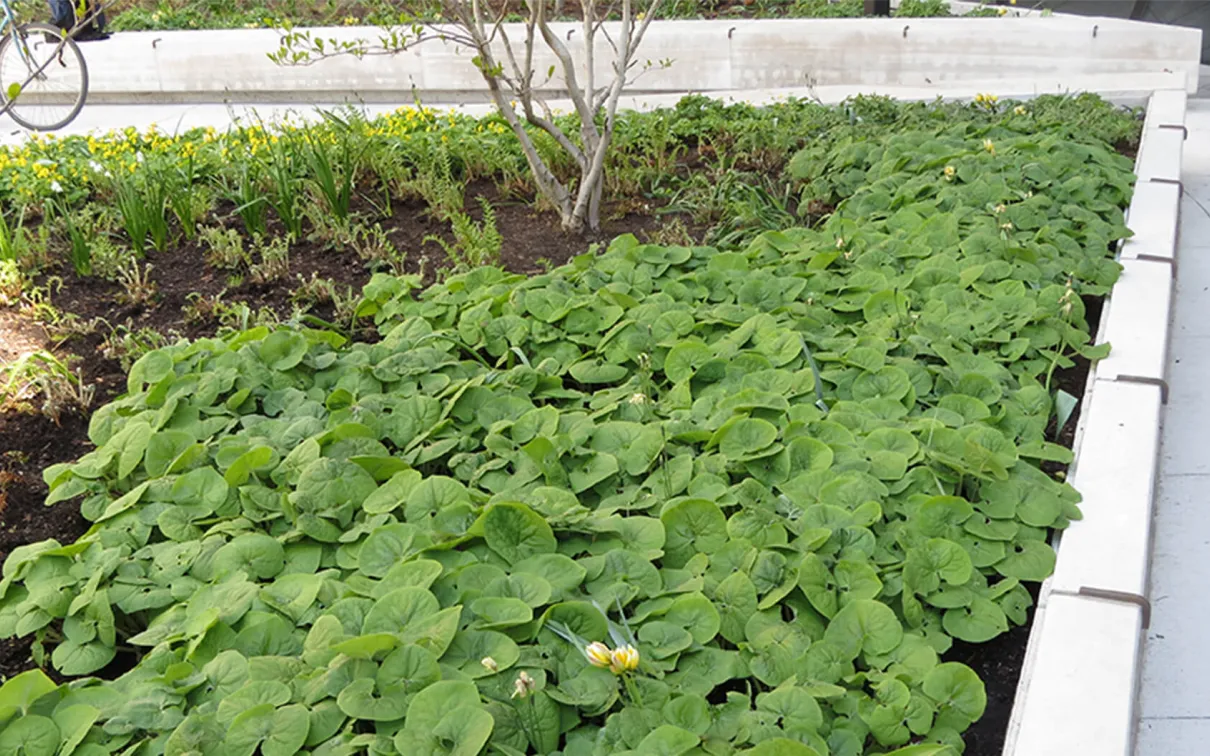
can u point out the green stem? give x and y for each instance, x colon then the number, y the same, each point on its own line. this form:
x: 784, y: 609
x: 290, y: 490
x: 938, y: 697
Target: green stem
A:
x: 528, y: 717
x: 632, y: 690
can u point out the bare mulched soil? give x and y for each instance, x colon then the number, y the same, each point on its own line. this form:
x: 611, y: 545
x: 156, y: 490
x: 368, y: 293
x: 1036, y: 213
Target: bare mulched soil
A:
x: 532, y: 240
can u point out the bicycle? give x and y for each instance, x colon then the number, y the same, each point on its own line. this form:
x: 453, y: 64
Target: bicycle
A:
x: 43, y: 77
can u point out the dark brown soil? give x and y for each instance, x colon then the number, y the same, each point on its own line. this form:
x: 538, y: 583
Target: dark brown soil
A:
x: 998, y: 663
x: 30, y: 443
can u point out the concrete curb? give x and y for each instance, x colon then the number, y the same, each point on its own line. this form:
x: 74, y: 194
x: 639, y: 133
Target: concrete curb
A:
x: 707, y: 56
x: 1078, y: 688
x: 1133, y: 90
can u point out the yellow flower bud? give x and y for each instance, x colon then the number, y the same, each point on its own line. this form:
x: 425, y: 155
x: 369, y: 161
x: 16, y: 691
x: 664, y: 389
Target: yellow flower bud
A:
x: 624, y: 659
x: 598, y: 654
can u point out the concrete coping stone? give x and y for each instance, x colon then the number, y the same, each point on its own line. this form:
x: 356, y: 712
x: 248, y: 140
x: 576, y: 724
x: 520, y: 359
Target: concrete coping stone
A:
x: 1160, y: 154
x: 1137, y: 321
x: 1078, y: 696
x: 1154, y: 217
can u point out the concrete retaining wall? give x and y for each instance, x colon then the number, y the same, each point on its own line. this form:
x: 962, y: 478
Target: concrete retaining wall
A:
x: 707, y: 56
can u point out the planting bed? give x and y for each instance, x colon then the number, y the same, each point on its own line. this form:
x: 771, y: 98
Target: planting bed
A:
x: 807, y: 471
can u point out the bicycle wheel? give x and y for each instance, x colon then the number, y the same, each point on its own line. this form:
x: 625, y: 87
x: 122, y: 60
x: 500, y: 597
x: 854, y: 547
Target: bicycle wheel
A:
x: 55, y: 95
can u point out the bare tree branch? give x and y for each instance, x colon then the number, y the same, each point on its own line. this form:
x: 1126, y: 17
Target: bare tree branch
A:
x: 510, y: 78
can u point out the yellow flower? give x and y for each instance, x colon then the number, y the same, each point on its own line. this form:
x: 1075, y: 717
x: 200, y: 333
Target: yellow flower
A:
x: 1019, y: 110
x: 598, y: 654
x: 350, y: 21
x: 1000, y: 209
x: 989, y: 146
x: 1003, y: 11
x: 624, y: 659
x: 950, y: 172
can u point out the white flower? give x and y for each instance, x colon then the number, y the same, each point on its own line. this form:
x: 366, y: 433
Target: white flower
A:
x: 96, y: 167
x: 56, y: 187
x: 138, y: 156
x: 524, y: 686
x: 489, y: 664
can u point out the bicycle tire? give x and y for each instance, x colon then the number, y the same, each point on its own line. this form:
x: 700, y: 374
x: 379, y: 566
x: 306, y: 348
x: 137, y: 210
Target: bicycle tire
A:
x: 21, y: 115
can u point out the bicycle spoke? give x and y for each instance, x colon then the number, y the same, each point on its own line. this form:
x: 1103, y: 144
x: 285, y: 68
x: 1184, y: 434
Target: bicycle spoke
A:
x: 51, y: 73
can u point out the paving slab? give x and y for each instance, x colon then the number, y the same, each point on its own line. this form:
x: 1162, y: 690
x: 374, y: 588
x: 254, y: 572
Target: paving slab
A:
x: 1172, y: 735
x: 1174, y: 677
x: 1195, y: 218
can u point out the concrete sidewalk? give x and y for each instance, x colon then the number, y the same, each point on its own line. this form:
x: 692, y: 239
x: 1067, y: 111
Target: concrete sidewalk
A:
x: 1174, y: 706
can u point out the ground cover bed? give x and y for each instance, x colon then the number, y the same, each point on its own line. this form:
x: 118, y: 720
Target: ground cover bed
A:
x: 773, y: 473
x: 140, y: 15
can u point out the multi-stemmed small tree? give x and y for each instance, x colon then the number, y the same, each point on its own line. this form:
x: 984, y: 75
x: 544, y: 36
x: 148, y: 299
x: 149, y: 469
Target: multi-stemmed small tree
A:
x: 506, y: 61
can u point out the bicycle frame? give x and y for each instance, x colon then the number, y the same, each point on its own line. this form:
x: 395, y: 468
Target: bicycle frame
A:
x: 8, y: 25
x: 8, y: 18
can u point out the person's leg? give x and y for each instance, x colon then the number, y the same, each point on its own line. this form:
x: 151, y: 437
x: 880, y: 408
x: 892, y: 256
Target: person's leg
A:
x: 62, y: 14
x: 94, y: 29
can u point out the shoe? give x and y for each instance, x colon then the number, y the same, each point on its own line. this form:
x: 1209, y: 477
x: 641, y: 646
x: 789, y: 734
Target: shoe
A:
x: 91, y: 35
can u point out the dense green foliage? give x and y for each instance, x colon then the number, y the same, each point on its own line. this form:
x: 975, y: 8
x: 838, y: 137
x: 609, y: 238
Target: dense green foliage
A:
x: 133, y: 15
x: 790, y: 473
